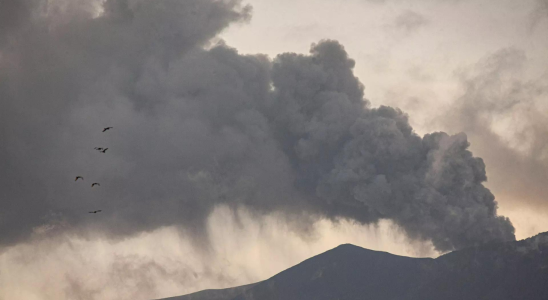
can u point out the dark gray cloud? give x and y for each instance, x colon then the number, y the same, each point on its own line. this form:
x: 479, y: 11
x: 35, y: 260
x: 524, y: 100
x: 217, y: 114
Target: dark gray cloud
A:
x: 13, y: 13
x: 55, y: 77
x: 195, y: 128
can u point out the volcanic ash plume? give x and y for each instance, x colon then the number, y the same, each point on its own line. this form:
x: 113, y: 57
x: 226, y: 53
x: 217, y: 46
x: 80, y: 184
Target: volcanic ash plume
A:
x: 196, y: 128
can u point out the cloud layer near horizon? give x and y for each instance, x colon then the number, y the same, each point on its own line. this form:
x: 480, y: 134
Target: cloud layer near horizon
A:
x: 197, y: 128
x: 165, y: 262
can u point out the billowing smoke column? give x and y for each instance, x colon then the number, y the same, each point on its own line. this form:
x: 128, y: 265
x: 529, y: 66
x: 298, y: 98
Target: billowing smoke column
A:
x: 196, y: 128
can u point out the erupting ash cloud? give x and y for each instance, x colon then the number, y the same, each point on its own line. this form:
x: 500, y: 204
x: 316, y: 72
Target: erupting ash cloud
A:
x: 195, y: 128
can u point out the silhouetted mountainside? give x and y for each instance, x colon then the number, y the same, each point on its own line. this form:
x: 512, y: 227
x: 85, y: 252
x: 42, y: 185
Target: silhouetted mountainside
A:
x: 219, y: 294
x: 494, y: 271
x: 511, y: 270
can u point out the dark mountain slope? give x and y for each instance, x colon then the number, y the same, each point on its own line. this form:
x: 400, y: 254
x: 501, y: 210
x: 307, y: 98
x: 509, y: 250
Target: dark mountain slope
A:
x: 343, y: 273
x: 494, y: 271
x: 219, y: 294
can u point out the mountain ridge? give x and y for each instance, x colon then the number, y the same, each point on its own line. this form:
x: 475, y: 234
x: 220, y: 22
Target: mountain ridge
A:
x: 491, y: 271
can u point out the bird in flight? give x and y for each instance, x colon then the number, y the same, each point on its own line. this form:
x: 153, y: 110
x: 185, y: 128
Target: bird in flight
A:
x: 104, y: 150
x: 79, y: 177
x: 106, y: 128
x: 94, y: 184
x: 98, y: 148
x: 94, y: 212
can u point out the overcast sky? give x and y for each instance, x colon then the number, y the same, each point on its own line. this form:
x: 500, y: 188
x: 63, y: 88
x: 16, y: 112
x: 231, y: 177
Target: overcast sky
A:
x: 226, y: 166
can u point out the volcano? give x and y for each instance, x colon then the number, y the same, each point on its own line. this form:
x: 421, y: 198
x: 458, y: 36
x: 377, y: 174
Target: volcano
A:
x: 493, y: 271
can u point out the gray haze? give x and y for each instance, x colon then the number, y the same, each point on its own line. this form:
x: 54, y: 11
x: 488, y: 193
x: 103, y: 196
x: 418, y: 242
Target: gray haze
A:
x: 196, y: 128
x: 497, y: 93
x: 409, y: 21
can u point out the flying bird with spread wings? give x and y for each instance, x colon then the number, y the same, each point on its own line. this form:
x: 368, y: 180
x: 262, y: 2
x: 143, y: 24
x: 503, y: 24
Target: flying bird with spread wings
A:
x: 94, y: 184
x: 78, y: 177
x: 106, y: 128
x: 94, y: 212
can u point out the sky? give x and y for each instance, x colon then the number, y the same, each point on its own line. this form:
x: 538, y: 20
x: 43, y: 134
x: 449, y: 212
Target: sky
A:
x: 250, y: 135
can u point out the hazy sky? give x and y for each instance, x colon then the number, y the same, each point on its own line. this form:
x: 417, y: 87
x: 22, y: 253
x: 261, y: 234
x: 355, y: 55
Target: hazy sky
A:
x: 221, y: 172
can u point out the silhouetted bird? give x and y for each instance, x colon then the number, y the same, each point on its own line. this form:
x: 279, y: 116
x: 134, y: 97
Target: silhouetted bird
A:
x: 107, y: 128
x: 98, y: 148
x: 79, y: 177
x: 94, y: 212
x: 104, y: 150
x: 94, y: 184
